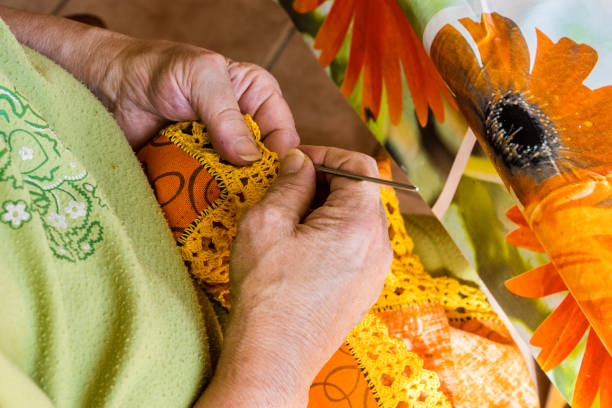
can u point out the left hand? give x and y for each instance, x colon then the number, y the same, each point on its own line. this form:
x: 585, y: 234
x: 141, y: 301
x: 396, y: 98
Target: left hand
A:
x: 146, y: 84
x: 152, y: 82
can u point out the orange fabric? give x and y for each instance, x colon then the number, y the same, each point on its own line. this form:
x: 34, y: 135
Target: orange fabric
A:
x: 182, y: 185
x: 488, y: 329
x: 489, y: 374
x: 341, y: 383
x: 425, y: 330
x: 478, y: 365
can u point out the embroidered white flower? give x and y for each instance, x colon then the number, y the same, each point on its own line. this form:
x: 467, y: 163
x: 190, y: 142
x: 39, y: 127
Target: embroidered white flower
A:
x: 15, y: 213
x: 75, y: 209
x: 58, y: 221
x: 26, y: 153
x: 85, y: 246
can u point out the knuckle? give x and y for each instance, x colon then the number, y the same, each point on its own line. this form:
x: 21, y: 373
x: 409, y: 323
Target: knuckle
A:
x: 181, y: 54
x: 263, y: 78
x: 216, y: 60
x: 250, y: 221
x: 362, y: 226
x: 288, y: 189
x: 369, y: 165
x: 363, y: 163
x: 293, y: 139
x: 262, y: 216
x: 227, y: 113
x: 271, y: 80
x: 371, y: 212
x: 271, y: 216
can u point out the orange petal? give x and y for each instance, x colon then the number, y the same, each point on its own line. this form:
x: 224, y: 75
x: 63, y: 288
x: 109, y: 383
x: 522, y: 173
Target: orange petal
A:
x: 525, y: 238
x: 587, y: 382
x: 566, y: 337
x: 458, y: 66
x: 304, y: 6
x: 551, y: 328
x: 503, y: 51
x: 410, y: 64
x: 357, y: 52
x: 392, y: 74
x: 331, y: 34
x: 605, y: 385
x: 515, y: 215
x: 372, y: 72
x: 538, y: 282
x: 433, y: 83
x: 424, y: 82
x: 558, y: 71
x: 434, y: 97
x: 413, y: 55
x: 588, y: 129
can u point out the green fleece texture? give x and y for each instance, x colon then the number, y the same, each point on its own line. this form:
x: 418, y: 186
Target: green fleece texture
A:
x: 96, y: 307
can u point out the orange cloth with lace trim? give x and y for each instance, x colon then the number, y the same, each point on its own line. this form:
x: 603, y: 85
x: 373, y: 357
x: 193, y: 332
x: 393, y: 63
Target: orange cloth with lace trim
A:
x: 428, y: 342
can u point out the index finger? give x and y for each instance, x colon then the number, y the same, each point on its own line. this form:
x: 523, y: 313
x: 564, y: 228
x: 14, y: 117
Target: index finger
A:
x: 260, y: 96
x: 354, y: 195
x: 212, y: 97
x: 335, y: 158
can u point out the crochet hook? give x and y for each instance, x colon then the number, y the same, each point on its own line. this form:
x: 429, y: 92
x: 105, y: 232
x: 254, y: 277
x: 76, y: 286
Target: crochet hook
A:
x: 342, y: 173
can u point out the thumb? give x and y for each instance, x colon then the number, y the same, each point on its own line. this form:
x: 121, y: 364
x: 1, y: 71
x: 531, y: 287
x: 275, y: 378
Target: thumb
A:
x: 290, y: 196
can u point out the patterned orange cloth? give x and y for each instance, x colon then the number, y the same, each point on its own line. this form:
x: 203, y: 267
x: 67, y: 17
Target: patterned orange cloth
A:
x: 183, y: 187
x: 428, y: 342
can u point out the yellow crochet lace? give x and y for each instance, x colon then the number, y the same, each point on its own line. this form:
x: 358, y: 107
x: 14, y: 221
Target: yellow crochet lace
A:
x: 205, y: 245
x: 408, y: 283
x: 395, y: 375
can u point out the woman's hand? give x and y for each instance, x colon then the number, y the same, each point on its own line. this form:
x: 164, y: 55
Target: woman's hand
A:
x: 299, y: 285
x: 152, y: 82
x: 146, y: 84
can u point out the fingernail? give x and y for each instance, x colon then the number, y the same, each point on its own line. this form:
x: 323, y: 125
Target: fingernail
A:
x: 292, y: 162
x: 246, y: 149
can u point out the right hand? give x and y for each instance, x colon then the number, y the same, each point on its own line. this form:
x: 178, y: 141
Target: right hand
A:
x: 298, y: 287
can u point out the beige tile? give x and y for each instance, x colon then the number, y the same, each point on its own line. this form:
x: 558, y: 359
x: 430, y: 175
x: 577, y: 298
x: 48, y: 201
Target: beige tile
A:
x: 37, y: 6
x: 244, y: 30
x: 322, y: 114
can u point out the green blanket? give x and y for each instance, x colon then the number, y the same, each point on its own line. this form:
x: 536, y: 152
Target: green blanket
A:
x: 96, y: 307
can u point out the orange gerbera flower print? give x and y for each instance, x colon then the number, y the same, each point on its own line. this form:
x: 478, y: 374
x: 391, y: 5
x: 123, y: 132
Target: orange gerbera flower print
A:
x: 382, y: 44
x: 535, y: 124
x: 549, y: 137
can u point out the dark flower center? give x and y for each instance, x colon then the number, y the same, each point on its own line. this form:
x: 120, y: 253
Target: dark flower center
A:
x: 520, y: 133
